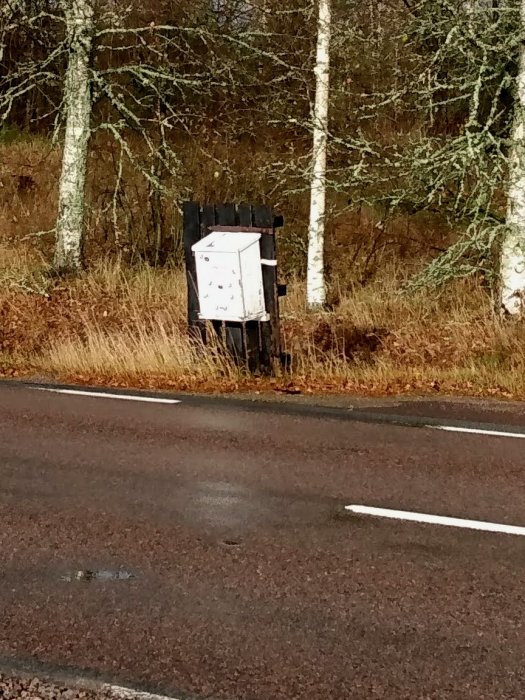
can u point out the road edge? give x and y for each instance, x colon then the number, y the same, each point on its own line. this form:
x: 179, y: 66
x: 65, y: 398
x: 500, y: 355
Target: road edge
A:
x: 83, y: 680
x: 350, y: 413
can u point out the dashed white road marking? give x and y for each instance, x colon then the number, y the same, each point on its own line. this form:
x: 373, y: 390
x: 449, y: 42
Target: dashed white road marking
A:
x: 101, y: 395
x: 436, y: 520
x: 477, y: 431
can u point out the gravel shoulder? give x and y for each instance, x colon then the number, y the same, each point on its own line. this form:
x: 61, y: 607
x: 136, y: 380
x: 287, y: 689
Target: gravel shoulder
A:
x: 14, y: 686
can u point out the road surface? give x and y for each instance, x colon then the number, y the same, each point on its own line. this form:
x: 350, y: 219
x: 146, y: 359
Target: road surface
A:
x: 204, y: 547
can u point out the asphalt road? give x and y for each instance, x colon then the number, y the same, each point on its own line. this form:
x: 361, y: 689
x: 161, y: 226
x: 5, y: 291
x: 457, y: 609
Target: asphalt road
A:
x: 249, y: 577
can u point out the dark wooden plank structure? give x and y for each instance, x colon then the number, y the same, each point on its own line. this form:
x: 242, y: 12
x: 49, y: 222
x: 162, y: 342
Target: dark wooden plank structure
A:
x: 255, y: 344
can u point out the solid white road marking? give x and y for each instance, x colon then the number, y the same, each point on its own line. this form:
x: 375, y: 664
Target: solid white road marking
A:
x: 437, y: 520
x: 100, y: 395
x: 160, y: 400
x: 477, y: 431
x: 130, y: 694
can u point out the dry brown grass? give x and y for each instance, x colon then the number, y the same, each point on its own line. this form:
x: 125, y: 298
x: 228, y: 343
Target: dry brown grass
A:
x: 379, y: 340
x: 125, y: 324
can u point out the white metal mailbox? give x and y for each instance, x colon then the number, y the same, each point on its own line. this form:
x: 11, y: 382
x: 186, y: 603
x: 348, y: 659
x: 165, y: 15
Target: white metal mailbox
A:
x: 229, y: 277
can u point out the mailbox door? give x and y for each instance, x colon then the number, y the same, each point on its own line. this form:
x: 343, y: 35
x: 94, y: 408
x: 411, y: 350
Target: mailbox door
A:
x: 220, y: 292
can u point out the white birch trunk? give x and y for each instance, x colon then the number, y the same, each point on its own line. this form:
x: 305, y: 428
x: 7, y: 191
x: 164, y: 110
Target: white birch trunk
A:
x: 512, y: 264
x: 77, y: 97
x: 316, y: 285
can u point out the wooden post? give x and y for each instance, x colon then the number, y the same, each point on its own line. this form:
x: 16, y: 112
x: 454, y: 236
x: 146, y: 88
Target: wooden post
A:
x: 270, y: 332
x: 208, y: 218
x: 252, y: 335
x: 192, y: 233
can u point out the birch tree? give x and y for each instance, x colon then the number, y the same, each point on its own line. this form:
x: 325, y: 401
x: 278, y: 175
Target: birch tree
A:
x: 455, y: 66
x: 145, y: 80
x: 77, y: 99
x: 512, y: 270
x: 68, y: 28
x: 316, y: 284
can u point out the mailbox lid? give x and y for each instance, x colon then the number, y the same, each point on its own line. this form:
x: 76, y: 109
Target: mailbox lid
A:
x: 226, y: 242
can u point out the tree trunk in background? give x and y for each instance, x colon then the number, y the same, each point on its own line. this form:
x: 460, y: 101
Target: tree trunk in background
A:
x: 316, y: 286
x: 512, y: 266
x: 7, y: 11
x: 77, y: 98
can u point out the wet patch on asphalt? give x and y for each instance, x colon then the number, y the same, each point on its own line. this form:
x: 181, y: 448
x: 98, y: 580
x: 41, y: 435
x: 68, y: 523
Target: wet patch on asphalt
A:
x: 228, y: 511
x: 88, y: 575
